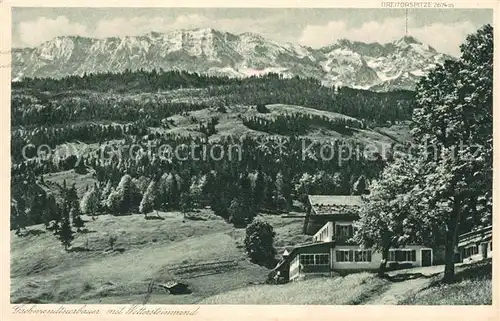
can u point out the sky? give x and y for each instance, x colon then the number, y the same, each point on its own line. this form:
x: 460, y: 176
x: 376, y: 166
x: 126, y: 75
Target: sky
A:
x: 443, y: 29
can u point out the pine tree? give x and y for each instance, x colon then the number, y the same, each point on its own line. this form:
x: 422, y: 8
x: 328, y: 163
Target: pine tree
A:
x: 77, y: 219
x: 237, y: 213
x: 359, y: 186
x: 89, y: 203
x: 51, y: 214
x: 74, y: 208
x: 173, y: 190
x: 149, y: 199
x: 186, y: 203
x: 65, y: 233
x: 279, y: 194
x: 103, y: 197
x: 19, y: 217
x: 125, y: 191
x: 219, y: 197
x: 246, y: 196
x: 259, y: 190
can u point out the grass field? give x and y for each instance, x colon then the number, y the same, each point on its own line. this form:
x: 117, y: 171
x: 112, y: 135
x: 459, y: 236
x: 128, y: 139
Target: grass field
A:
x: 473, y: 287
x: 41, y: 271
x: 231, y: 124
x: 209, y: 256
x: 351, y: 289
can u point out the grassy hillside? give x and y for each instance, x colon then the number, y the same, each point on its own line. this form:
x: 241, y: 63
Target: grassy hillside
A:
x: 159, y: 250
x: 209, y: 256
x: 231, y: 124
x: 351, y: 289
x: 420, y: 286
x: 474, y: 287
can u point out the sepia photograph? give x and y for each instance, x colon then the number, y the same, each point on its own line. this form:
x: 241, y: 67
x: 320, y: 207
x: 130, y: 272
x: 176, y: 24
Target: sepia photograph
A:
x: 251, y: 156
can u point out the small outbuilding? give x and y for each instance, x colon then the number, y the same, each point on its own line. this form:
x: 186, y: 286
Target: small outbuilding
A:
x: 174, y: 287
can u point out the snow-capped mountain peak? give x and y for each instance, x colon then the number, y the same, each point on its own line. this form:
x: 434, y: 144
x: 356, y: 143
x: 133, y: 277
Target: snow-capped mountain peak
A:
x: 388, y: 66
x: 407, y: 40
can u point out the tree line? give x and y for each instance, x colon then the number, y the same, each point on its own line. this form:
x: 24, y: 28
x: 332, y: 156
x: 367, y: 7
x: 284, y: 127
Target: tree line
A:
x: 300, y: 124
x: 43, y: 101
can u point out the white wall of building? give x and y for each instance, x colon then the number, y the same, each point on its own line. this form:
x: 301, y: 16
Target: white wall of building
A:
x: 376, y: 258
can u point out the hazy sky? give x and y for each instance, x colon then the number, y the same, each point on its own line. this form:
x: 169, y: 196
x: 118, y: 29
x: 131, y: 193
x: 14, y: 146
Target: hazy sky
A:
x: 442, y: 29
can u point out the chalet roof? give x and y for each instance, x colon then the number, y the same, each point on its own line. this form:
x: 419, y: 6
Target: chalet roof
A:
x: 333, y: 204
x: 479, y: 235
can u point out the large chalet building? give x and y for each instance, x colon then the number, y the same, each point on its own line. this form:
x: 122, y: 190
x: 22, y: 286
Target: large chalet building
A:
x: 329, y: 219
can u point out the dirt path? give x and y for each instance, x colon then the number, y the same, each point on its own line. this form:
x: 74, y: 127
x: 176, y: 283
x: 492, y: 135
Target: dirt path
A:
x: 398, y: 291
x: 405, y: 283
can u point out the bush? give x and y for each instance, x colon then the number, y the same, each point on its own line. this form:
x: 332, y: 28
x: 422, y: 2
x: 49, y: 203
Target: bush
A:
x: 259, y: 241
x: 239, y: 213
x: 112, y: 242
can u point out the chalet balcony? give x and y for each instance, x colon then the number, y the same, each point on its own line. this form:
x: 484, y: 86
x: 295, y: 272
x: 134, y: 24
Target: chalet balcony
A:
x: 315, y: 268
x: 343, y: 240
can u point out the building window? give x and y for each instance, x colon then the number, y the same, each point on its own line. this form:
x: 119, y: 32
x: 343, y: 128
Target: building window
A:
x: 315, y: 259
x: 471, y: 250
x: 403, y: 255
x: 344, y: 255
x: 343, y: 230
x: 363, y: 256
x: 322, y: 259
x: 307, y: 259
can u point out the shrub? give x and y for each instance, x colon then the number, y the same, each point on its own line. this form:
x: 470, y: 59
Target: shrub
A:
x: 112, y: 241
x: 259, y: 241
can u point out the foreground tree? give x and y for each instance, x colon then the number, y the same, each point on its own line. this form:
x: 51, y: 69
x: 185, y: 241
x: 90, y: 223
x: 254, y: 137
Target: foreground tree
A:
x: 387, y: 218
x: 259, y: 241
x: 453, y: 118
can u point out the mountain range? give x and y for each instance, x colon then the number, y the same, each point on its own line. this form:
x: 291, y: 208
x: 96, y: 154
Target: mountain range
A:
x: 381, y: 67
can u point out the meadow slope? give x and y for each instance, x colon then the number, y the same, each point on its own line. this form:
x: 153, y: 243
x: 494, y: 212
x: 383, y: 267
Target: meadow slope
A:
x: 209, y: 256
